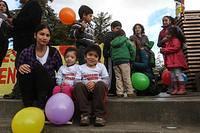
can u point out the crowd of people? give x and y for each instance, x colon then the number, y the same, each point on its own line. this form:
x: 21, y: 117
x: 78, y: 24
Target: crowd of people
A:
x: 41, y: 73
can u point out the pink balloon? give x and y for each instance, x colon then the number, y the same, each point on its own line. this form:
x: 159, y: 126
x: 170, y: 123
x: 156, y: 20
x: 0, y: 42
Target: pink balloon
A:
x: 59, y: 109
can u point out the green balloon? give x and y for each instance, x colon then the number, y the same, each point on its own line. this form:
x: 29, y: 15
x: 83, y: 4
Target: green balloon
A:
x: 140, y: 81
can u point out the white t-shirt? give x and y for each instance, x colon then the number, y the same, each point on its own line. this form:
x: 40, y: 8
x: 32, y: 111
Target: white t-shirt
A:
x: 43, y: 59
x: 86, y: 74
x: 67, y: 74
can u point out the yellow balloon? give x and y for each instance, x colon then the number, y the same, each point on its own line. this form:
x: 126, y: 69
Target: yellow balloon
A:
x: 28, y: 120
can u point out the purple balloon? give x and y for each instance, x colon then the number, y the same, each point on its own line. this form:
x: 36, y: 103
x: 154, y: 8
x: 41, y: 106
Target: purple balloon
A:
x: 59, y: 109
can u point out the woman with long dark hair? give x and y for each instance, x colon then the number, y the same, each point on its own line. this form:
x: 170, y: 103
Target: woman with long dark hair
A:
x: 36, y: 66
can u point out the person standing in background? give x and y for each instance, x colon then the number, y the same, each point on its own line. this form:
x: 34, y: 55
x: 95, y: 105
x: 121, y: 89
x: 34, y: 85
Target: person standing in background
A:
x: 175, y: 60
x: 115, y: 27
x: 5, y: 29
x: 83, y: 32
x: 24, y: 24
x: 122, y: 54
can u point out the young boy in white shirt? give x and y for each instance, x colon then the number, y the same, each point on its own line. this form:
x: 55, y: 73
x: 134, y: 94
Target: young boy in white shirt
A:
x: 91, y: 85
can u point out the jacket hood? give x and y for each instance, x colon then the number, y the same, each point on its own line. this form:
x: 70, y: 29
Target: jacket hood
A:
x: 118, y: 41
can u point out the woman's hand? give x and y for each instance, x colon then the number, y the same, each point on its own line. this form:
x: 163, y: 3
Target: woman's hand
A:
x: 24, y: 69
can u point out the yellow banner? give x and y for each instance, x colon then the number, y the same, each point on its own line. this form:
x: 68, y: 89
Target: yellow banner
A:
x: 8, y: 73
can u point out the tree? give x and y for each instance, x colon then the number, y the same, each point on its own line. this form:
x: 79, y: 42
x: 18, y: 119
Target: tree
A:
x: 59, y: 30
x: 102, y: 22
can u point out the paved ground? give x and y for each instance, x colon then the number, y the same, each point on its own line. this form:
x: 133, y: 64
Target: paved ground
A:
x: 121, y: 127
x: 131, y: 127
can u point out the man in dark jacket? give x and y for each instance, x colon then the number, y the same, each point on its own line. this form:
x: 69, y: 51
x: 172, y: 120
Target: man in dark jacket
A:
x: 24, y: 24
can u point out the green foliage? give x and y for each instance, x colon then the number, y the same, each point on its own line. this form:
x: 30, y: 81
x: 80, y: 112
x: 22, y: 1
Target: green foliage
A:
x: 102, y: 22
x: 61, y: 35
x: 60, y: 32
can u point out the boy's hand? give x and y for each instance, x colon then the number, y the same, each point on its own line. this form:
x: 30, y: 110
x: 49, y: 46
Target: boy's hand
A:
x: 90, y: 85
x: 84, y: 25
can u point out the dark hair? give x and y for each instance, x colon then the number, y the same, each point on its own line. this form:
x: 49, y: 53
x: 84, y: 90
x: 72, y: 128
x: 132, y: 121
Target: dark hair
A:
x: 41, y: 27
x: 84, y: 10
x: 175, y: 32
x: 121, y: 32
x: 171, y: 19
x: 71, y: 49
x: 7, y: 9
x: 142, y: 27
x: 94, y: 48
x: 115, y: 24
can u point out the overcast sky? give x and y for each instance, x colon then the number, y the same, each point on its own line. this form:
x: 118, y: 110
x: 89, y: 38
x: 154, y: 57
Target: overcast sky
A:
x: 147, y: 12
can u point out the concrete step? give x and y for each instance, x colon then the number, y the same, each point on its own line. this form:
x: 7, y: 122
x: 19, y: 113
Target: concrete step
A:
x: 161, y: 109
x: 113, y: 127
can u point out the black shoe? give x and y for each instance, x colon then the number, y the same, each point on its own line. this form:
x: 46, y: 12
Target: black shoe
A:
x: 120, y: 95
x: 99, y: 122
x: 112, y: 94
x: 85, y: 121
x: 12, y: 96
x: 169, y: 90
x: 131, y: 95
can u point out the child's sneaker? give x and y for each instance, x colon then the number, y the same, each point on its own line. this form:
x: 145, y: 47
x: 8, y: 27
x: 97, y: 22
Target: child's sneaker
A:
x: 99, y: 122
x: 85, y: 121
x: 131, y: 95
x: 47, y: 122
x: 70, y: 122
x: 120, y: 95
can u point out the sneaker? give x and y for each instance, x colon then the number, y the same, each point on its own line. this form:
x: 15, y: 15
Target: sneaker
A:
x: 12, y: 96
x: 120, y: 95
x: 131, y: 95
x: 99, y: 122
x: 85, y: 121
x: 70, y: 122
x: 112, y: 94
x: 47, y: 122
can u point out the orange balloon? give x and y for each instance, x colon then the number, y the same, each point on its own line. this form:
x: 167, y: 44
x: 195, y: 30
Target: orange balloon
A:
x: 67, y: 16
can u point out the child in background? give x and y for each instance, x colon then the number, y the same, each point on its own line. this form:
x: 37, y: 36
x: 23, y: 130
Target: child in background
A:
x: 92, y: 85
x: 66, y: 73
x: 83, y: 31
x: 122, y: 54
x: 167, y: 22
x: 115, y: 26
x: 174, y: 59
